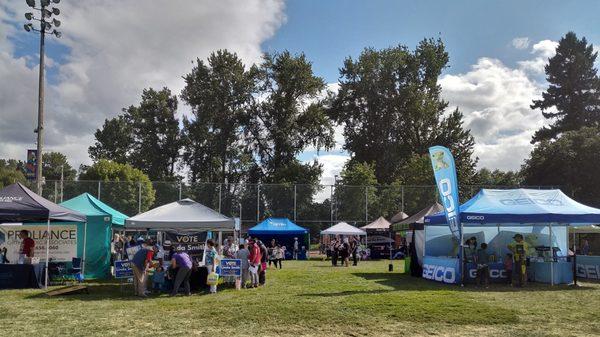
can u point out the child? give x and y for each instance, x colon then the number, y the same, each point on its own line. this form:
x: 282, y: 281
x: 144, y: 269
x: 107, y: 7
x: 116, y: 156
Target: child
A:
x: 158, y: 279
x: 483, y: 269
x: 508, y: 266
x: 278, y: 255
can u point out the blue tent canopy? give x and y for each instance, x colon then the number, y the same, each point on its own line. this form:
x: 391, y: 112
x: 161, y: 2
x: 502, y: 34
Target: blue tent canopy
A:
x: 521, y: 206
x: 277, y: 226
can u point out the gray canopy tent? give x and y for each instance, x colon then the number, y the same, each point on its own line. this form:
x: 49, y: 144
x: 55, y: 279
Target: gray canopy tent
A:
x: 184, y: 215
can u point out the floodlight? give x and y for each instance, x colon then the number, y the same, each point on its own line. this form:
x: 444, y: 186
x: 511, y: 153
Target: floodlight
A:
x: 45, y: 3
x: 46, y: 25
x: 46, y: 13
x: 28, y: 16
x: 56, y: 23
x: 57, y: 33
x: 27, y: 27
x: 30, y: 3
x: 55, y: 11
x: 56, y: 1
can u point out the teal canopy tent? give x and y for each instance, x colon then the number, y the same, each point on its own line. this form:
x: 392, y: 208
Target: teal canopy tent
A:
x: 96, y: 238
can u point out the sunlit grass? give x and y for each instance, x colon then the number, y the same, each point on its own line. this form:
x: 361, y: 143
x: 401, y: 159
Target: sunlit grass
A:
x: 310, y: 298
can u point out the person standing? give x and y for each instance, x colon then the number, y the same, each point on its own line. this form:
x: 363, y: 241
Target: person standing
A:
x: 210, y: 261
x: 470, y: 253
x: 354, y: 251
x: 183, y: 263
x: 26, y: 250
x: 140, y: 262
x: 334, y: 252
x: 345, y: 252
x: 519, y: 249
x: 278, y: 255
x: 585, y: 248
x: 483, y: 269
x: 296, y: 249
x: 271, y: 253
x: 243, y: 254
x: 254, y: 261
x: 262, y: 274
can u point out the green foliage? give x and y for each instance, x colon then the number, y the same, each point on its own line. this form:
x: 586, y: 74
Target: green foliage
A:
x: 390, y: 106
x: 121, y: 184
x: 488, y: 178
x: 11, y: 171
x: 571, y: 162
x: 356, y: 191
x: 146, y: 137
x: 52, y: 163
x: 572, y: 99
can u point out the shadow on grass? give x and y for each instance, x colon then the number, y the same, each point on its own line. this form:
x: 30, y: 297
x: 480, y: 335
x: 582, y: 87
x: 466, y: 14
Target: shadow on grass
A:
x: 407, y: 282
x: 345, y: 293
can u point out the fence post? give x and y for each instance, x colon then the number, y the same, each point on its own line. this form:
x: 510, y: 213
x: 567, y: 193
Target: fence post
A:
x: 366, y: 205
x: 220, y: 188
x: 99, y: 183
x: 139, y: 197
x: 331, y: 203
x: 257, y: 203
x: 295, y: 212
x: 402, y: 196
x: 55, y: 191
x: 180, y: 190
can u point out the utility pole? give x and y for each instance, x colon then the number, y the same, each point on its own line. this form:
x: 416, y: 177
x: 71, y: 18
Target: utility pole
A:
x: 45, y: 27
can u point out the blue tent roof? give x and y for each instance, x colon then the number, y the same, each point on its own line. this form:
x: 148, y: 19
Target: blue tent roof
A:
x: 521, y: 205
x: 277, y: 226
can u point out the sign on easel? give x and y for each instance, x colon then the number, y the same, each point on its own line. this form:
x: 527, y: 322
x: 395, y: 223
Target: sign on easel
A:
x: 231, y: 268
x: 123, y: 269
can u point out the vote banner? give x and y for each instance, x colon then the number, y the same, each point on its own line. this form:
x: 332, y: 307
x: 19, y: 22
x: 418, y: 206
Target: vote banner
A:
x: 123, y: 269
x: 63, y: 241
x: 588, y: 267
x: 191, y: 243
x: 31, y: 165
x: 231, y: 267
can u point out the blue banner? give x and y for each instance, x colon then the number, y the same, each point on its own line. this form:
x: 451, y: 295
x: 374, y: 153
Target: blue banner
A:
x: 441, y: 269
x: 588, y: 267
x: 447, y: 184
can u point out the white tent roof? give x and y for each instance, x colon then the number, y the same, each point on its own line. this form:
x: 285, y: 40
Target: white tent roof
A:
x: 343, y: 228
x: 585, y: 229
x: 184, y: 214
x: 380, y: 224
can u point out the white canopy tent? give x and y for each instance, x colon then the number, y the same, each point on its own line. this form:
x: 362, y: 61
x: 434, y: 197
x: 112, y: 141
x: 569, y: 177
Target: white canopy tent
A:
x: 381, y: 224
x: 343, y: 228
x: 181, y: 215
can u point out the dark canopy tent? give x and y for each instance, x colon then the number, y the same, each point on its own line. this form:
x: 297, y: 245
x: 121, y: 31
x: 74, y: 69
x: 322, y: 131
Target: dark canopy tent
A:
x: 282, y: 230
x: 20, y: 204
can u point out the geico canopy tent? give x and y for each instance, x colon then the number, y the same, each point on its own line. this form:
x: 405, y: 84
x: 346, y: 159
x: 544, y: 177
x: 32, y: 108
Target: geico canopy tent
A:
x: 343, y: 228
x: 525, y: 206
x: 180, y: 215
x: 277, y: 226
x: 381, y: 224
x: 20, y: 204
x: 101, y: 219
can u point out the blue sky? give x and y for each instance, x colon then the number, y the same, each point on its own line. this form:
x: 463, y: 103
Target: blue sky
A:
x: 111, y: 50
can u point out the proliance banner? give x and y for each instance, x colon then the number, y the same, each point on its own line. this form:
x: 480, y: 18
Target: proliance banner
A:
x: 191, y: 243
x: 444, y: 170
x: 63, y: 241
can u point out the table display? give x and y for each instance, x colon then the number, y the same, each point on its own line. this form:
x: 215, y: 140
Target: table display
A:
x: 19, y: 276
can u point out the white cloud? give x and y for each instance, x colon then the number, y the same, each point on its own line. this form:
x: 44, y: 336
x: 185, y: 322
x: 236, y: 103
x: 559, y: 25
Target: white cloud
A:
x: 116, y: 49
x: 542, y: 50
x: 495, y: 101
x: 332, y: 166
x: 520, y: 42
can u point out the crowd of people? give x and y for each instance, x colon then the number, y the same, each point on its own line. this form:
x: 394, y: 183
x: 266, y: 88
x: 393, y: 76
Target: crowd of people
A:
x: 170, y: 271
x: 341, y: 249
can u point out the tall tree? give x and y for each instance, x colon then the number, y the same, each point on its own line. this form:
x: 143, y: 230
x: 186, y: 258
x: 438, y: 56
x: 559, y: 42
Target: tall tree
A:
x: 220, y: 93
x: 356, y: 193
x: 390, y: 106
x: 288, y: 117
x: 572, y: 99
x: 11, y: 171
x: 570, y: 163
x: 54, y: 163
x: 145, y: 136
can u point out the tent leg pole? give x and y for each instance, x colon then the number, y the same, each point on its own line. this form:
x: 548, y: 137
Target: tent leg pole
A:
x: 84, y: 248
x: 461, y: 256
x: 551, y: 256
x: 574, y: 256
x: 47, y: 252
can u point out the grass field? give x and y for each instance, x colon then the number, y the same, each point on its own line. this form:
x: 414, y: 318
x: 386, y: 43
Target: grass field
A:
x: 313, y: 299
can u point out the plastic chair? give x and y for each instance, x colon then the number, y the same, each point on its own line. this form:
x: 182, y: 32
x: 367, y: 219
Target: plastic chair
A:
x: 75, y: 269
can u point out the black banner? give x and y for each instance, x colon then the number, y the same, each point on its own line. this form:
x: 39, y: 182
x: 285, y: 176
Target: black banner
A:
x: 191, y: 243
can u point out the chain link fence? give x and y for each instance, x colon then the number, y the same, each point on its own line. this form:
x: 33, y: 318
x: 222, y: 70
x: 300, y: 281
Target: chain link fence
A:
x: 311, y: 206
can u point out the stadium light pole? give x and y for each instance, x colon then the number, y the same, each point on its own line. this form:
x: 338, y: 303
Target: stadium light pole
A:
x: 46, y: 25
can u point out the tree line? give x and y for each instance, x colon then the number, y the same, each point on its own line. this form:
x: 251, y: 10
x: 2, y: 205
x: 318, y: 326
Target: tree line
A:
x: 249, y: 122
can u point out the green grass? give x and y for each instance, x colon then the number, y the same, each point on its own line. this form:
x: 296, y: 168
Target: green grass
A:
x: 310, y: 298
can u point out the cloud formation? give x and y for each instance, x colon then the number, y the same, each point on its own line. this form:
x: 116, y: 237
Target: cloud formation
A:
x: 520, y: 42
x: 116, y: 49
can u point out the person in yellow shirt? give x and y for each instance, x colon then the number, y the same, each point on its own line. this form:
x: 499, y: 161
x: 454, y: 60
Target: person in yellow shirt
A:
x: 519, y: 249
